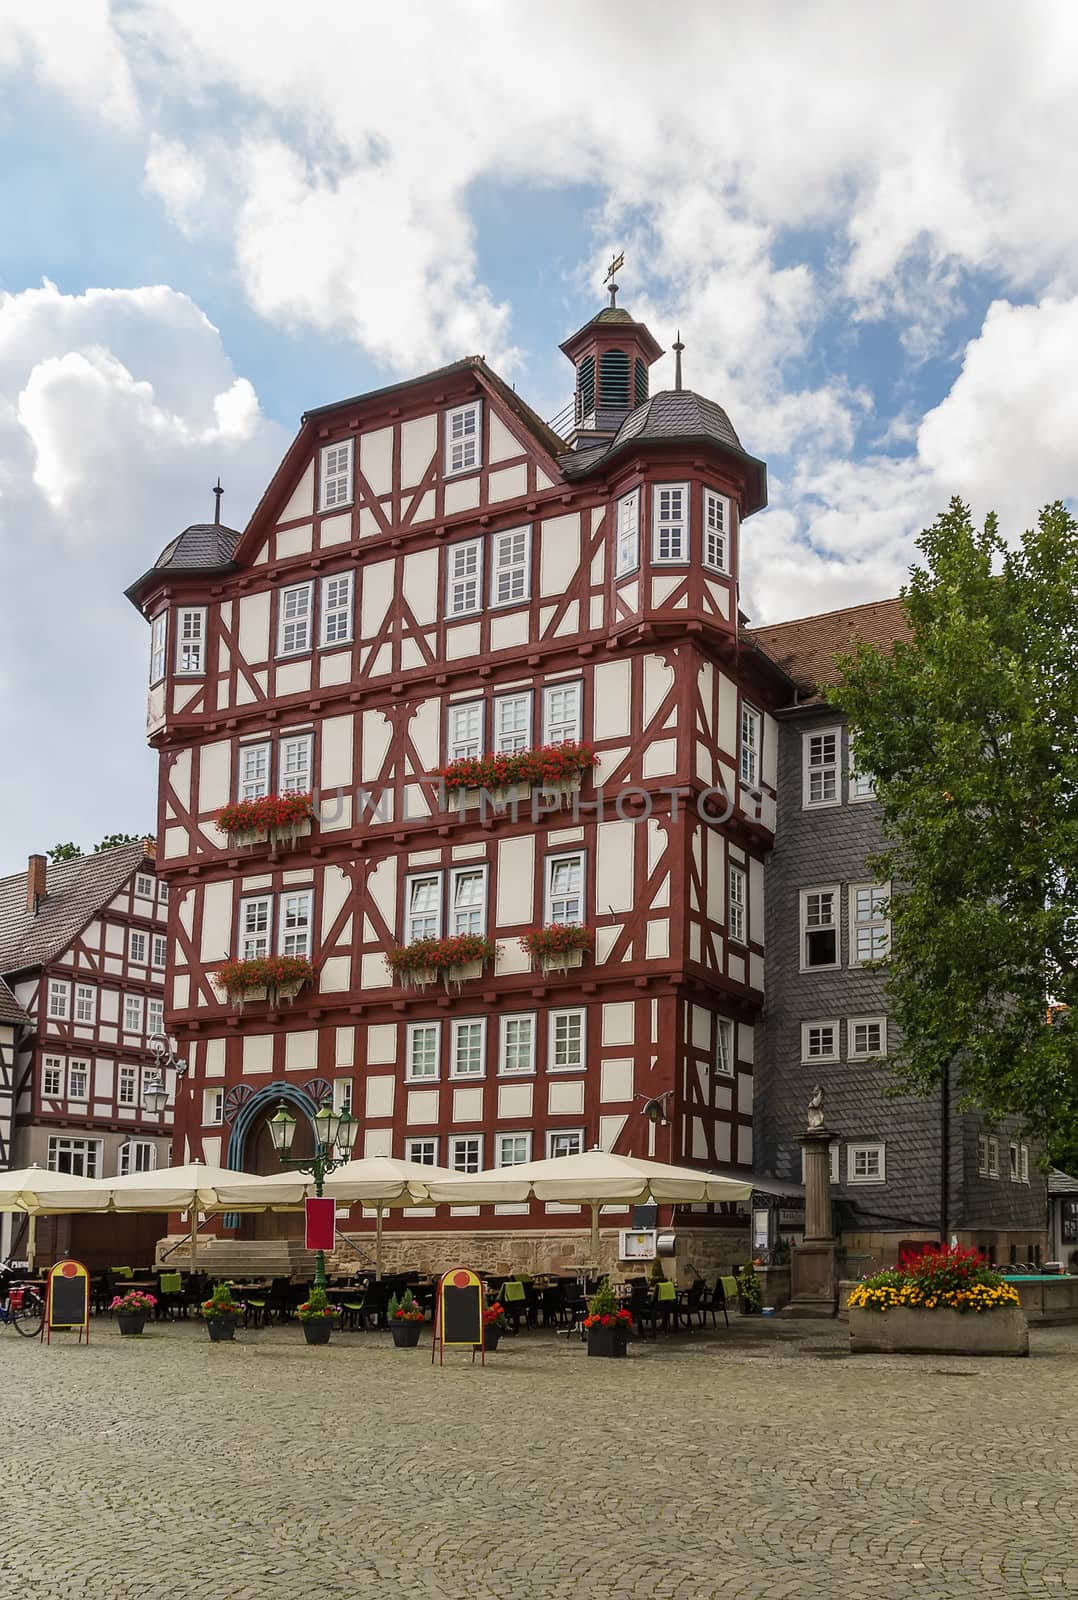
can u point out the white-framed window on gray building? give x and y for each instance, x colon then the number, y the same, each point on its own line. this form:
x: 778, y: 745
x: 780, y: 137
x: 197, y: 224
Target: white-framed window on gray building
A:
x: 463, y: 438
x: 862, y: 784
x: 81, y: 1158
x: 467, y: 900
x: 627, y: 548
x: 1013, y: 1161
x: 296, y: 922
x: 511, y: 1149
x: 191, y: 641
x: 870, y: 922
x: 516, y: 1043
x: 144, y: 885
x: 832, y: 1162
x: 465, y: 1152
x: 335, y: 475
x: 561, y: 712
x: 512, y: 723
x: 737, y: 912
x: 423, y: 906
x: 464, y: 581
x: 256, y: 927
x: 295, y: 759
x: 819, y: 927
x: 422, y: 1048
x: 751, y: 729
x: 510, y: 575
x: 565, y: 1048
x: 565, y: 1142
x: 137, y: 1155
x: 294, y: 605
x: 724, y: 1047
x: 59, y: 1001
x: 716, y: 531
x: 425, y: 1151
x: 86, y: 1002
x: 52, y: 1078
x: 866, y: 1037
x: 1023, y: 1163
x: 158, y: 656
x: 866, y: 1163
x: 464, y: 730
x: 670, y: 522
x: 993, y: 1156
x: 820, y: 762
x: 982, y: 1155
x: 78, y: 1080
x: 467, y: 1037
x: 254, y: 771
x: 819, y: 1040
x: 565, y: 888
x: 335, y: 622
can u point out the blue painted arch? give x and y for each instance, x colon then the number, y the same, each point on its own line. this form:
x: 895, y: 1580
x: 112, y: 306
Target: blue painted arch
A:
x: 252, y: 1108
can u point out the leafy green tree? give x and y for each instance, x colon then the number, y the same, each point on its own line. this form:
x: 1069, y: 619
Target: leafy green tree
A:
x: 72, y: 852
x: 971, y: 732
x: 64, y: 852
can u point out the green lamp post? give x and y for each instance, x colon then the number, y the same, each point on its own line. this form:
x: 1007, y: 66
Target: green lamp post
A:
x: 334, y: 1136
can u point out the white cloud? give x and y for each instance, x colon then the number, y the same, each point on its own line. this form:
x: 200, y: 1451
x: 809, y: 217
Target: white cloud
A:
x: 73, y: 47
x: 178, y: 177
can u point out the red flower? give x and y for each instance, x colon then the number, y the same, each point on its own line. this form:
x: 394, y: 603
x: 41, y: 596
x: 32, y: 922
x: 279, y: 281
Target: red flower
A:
x: 268, y: 812
x: 556, y: 939
x: 550, y: 764
x: 440, y: 955
x: 271, y: 972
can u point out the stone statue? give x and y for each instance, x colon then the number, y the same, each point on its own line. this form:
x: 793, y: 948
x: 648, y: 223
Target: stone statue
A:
x: 815, y: 1108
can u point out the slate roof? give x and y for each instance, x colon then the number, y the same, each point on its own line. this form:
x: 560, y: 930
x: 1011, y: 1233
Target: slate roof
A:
x: 75, y: 892
x: 1061, y: 1182
x: 203, y: 545
x: 10, y: 1009
x: 677, y: 414
x: 805, y: 649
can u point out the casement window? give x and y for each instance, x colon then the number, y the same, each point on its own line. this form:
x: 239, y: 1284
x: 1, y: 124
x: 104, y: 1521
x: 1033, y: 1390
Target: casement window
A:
x: 819, y: 767
x: 297, y: 917
x: 336, y: 611
x: 463, y: 449
x: 191, y: 641
x: 59, y: 1003
x: 716, y: 531
x: 425, y: 1151
x: 866, y: 1037
x: 467, y: 900
x: 832, y: 1162
x: 464, y: 739
x: 213, y: 1107
x: 819, y: 928
x: 335, y: 475
x: 158, y: 656
x: 982, y: 1155
x: 160, y: 949
x: 993, y: 1156
x: 144, y: 885
x: 516, y: 1048
x: 561, y: 713
x: 162, y: 893
x: 423, y: 899
x: 422, y: 1042
x: 862, y: 784
x: 511, y: 1149
x: 467, y: 1048
x: 870, y: 924
x: 256, y: 927
x: 751, y: 729
x: 254, y: 771
x: 52, y: 1078
x: 724, y: 1047
x: 627, y: 548
x: 133, y: 1013
x: 295, y: 757
x: 294, y: 619
x: 512, y: 723
x: 819, y: 1041
x: 136, y: 948
x: 78, y: 1080
x: 1023, y: 1163
x: 343, y: 1095
x: 80, y: 1158
x: 510, y: 577
x: 1013, y: 1154
x: 565, y: 1142
x: 465, y: 1152
x: 565, y: 888
x: 155, y: 1015
x: 566, y: 1041
x: 464, y: 564
x: 137, y: 1155
x: 85, y: 1002
x: 670, y: 522
x: 737, y: 919
x: 865, y: 1163
x: 127, y: 1090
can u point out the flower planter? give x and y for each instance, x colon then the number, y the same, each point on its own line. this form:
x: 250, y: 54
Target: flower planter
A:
x: 406, y: 1335
x: 318, y: 1330
x: 131, y: 1322
x: 240, y: 837
x: 562, y: 961
x: 745, y: 1309
x: 491, y: 1338
x: 459, y: 975
x: 907, y: 1330
x: 221, y: 1328
x: 608, y: 1341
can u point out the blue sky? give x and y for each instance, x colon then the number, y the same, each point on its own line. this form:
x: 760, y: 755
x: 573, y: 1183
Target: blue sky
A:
x: 214, y: 222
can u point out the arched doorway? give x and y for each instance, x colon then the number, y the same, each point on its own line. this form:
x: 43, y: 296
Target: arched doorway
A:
x: 250, y: 1149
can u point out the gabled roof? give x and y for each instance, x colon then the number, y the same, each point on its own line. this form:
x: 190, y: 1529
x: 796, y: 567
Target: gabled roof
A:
x: 75, y: 892
x: 806, y: 648
x: 1061, y: 1182
x: 10, y: 1009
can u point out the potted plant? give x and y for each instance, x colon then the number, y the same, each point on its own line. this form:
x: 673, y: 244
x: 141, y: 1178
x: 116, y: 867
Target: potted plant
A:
x: 748, y: 1291
x: 132, y: 1309
x: 493, y: 1324
x: 946, y: 1301
x: 559, y: 946
x: 275, y: 817
x: 608, y: 1324
x: 317, y: 1316
x: 220, y: 1313
x: 405, y: 1321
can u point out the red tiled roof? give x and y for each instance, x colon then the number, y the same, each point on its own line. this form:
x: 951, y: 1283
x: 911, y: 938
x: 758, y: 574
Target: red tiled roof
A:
x: 806, y: 648
x: 76, y: 891
x: 10, y: 1009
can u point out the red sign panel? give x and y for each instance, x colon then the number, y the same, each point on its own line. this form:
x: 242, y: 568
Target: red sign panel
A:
x: 321, y: 1221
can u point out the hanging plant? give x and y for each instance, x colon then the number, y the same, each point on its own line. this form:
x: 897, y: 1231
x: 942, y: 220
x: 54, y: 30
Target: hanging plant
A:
x: 279, y: 816
x: 281, y: 976
x: 554, y: 945
x: 419, y: 963
x: 548, y: 766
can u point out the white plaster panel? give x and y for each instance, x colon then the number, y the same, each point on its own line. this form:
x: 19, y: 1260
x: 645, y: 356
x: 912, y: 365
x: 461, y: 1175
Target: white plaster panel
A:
x: 515, y: 1100
x: 335, y: 530
x: 468, y: 1105
x: 744, y: 1146
x: 376, y: 596
x: 379, y: 1142
x: 756, y: 971
x: 423, y: 507
x: 515, y: 880
x: 382, y: 1043
x: 706, y: 686
x: 565, y: 836
x: 463, y: 641
x: 213, y: 1058
x: 301, y: 501
x: 419, y: 439
x: 376, y: 459
x: 422, y: 1107
x: 214, y: 775
x: 658, y: 681
x: 181, y: 992
x: 216, y: 921
x: 344, y: 1048
x: 715, y: 874
x: 570, y: 620
x: 380, y: 1092
x: 613, y: 700
x: 420, y: 585
x: 663, y: 587
x: 756, y: 898
x: 727, y: 730
x: 184, y: 693
x: 509, y: 628
x: 501, y: 444
x: 155, y: 708
x: 335, y: 668
x: 735, y: 967
x: 335, y: 975
x: 660, y: 759
x: 616, y: 1081
x: 746, y: 1042
x: 257, y: 1052
x: 373, y: 972
x: 377, y: 732
x: 610, y: 1131
x: 657, y: 940
x: 461, y: 494
x: 614, y: 875
x: 469, y: 852
x: 559, y: 553
x: 179, y: 777
x: 254, y: 629
x: 596, y: 611
x: 511, y: 958
x: 509, y: 484
x: 336, y: 888
x: 336, y: 764
x: 293, y: 677
x: 295, y: 541
x: 618, y: 1022
x: 301, y: 1051
x: 605, y: 940
x: 566, y: 1099
x: 424, y: 729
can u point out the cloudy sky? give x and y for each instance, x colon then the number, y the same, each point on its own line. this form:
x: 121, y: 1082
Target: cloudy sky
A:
x: 216, y: 215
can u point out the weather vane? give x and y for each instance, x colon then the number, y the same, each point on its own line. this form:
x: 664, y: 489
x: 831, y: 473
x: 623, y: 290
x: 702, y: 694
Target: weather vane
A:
x: 616, y: 264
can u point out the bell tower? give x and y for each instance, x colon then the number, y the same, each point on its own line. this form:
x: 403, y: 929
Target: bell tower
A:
x: 611, y: 354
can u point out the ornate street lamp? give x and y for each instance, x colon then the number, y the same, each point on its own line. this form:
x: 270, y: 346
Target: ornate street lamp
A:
x: 155, y: 1099
x: 334, y: 1136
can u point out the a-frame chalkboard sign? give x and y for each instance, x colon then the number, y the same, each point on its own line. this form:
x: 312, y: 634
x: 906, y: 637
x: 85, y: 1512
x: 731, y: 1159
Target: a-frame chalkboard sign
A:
x: 458, y: 1314
x: 67, y: 1303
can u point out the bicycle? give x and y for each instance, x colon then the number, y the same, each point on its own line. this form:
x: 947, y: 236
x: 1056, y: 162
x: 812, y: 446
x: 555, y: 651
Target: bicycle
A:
x: 21, y: 1306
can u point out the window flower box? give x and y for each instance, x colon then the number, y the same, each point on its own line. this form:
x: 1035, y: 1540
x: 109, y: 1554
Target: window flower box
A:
x: 275, y: 978
x: 558, y: 947
x: 273, y: 818
x: 453, y: 960
x: 552, y: 769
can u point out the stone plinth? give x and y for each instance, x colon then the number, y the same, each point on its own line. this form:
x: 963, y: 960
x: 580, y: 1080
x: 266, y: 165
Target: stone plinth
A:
x: 903, y: 1330
x: 814, y: 1262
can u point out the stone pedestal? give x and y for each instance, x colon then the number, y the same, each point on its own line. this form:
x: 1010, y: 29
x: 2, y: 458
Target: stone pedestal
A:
x: 814, y: 1264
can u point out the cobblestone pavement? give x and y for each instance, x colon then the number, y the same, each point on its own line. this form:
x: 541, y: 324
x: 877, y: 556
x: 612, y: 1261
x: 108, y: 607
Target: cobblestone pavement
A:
x: 756, y: 1462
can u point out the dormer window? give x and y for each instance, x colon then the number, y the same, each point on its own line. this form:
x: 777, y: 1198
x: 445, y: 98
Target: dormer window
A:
x: 462, y: 439
x: 335, y: 477
x: 670, y: 522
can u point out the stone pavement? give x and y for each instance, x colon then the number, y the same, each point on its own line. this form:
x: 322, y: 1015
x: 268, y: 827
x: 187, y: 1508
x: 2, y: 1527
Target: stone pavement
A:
x: 756, y: 1462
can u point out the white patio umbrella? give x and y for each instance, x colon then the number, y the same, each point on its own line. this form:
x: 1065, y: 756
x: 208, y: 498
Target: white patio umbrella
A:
x: 382, y: 1182
x: 594, y: 1178
x: 38, y: 1192
x: 195, y: 1187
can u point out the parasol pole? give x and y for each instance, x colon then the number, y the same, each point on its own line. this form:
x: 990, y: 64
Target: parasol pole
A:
x: 595, y: 1232
x: 378, y: 1242
x: 194, y: 1238
x: 31, y: 1240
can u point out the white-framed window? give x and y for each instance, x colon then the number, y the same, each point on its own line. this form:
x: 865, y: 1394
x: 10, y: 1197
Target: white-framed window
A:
x: 565, y: 888
x: 467, y: 1047
x: 294, y: 619
x: 982, y: 1155
x: 465, y: 1152
x: 670, y: 522
x: 463, y: 440
x: 467, y: 900
x: 158, y: 647
x: 155, y: 1015
x: 256, y: 927
x: 516, y: 1045
x: 59, y: 1003
x: 565, y: 1142
x: 464, y: 584
x: 213, y: 1107
x: 464, y: 737
x: 127, y: 1090
x: 336, y: 611
x: 297, y: 918
x: 137, y: 1155
x: 335, y: 475
x: 423, y: 900
x: 751, y: 728
x: 724, y: 1047
x: 78, y: 1080
x: 52, y: 1078
x: 561, y: 712
x: 565, y: 1048
x: 510, y: 575
x: 136, y: 947
x: 993, y: 1156
x: 160, y: 949
x: 133, y: 1013
x: 81, y: 1158
x: 162, y: 893
x: 820, y: 766
x: 295, y: 757
x: 736, y: 921
x: 819, y: 927
x: 422, y: 1048
x: 819, y: 1041
x: 870, y: 924
x: 862, y: 784
x: 511, y: 1149
x: 512, y: 723
x: 627, y: 547
x: 716, y: 531
x: 343, y: 1092
x: 144, y: 885
x: 1023, y: 1163
x: 865, y: 1163
x: 191, y: 641
x: 85, y: 1002
x: 866, y: 1037
x: 254, y: 771
x: 1013, y: 1161
x: 425, y: 1151
x: 832, y: 1162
